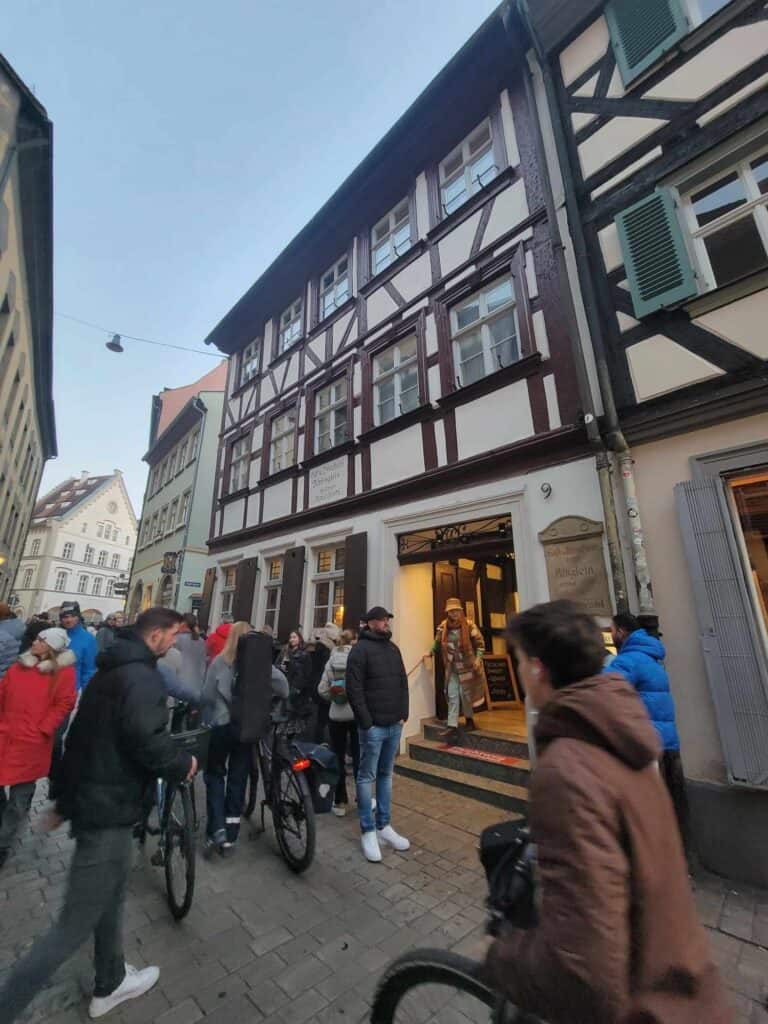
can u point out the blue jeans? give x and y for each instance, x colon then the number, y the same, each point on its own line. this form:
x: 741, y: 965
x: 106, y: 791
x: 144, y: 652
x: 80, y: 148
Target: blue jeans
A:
x: 378, y: 748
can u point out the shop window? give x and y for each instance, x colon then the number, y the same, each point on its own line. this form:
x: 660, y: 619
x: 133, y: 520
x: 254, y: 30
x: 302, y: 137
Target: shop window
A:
x: 484, y: 332
x: 335, y: 287
x: 328, y: 587
x: 750, y: 507
x: 391, y: 237
x: 273, y: 590
x: 282, y: 448
x: 229, y: 581
x: 395, y: 381
x: 469, y: 167
x: 331, y: 426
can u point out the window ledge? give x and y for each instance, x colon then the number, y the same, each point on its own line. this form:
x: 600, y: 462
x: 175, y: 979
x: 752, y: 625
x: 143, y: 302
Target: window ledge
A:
x: 241, y: 387
x: 275, y: 478
x: 327, y: 456
x: 393, y: 426
x: 234, y: 495
x: 418, y: 248
x: 525, y: 367
x: 452, y: 220
x: 294, y: 347
x: 728, y: 293
x: 324, y: 324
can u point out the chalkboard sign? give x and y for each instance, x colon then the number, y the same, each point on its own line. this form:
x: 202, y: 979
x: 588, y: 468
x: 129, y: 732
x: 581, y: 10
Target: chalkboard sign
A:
x: 500, y: 676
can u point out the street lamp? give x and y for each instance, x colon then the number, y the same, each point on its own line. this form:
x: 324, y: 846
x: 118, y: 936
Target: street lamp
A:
x: 114, y: 345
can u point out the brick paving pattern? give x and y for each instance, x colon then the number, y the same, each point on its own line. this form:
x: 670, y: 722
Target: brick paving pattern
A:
x: 261, y: 944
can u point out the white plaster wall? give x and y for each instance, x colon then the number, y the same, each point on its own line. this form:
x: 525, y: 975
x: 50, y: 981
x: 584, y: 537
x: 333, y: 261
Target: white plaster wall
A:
x: 277, y: 500
x: 422, y: 206
x: 613, y: 139
x: 729, y: 54
x: 584, y: 50
x: 397, y: 457
x: 339, y: 327
x: 610, y: 247
x: 267, y: 391
x: 508, y: 410
x: 380, y: 306
x: 293, y: 371
x: 252, y: 516
x: 510, y: 207
x: 508, y: 124
x: 553, y: 406
x: 442, y: 457
x: 233, y: 516
x: 414, y: 279
x: 744, y: 322
x: 318, y: 347
x: 430, y: 332
x: 414, y: 614
x: 257, y: 438
x: 659, y: 365
x: 540, y: 333
x: 455, y: 247
x: 433, y: 377
x: 530, y: 276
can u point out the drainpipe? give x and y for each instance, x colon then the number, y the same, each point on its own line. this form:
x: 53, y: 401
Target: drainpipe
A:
x: 615, y: 439
x: 602, y: 458
x: 203, y: 410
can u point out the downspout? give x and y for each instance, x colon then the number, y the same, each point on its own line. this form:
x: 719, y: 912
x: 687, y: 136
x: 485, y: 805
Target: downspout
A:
x: 203, y: 410
x: 615, y: 438
x: 602, y: 459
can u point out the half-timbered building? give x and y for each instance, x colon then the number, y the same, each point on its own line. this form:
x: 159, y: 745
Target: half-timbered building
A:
x: 655, y: 118
x: 405, y: 411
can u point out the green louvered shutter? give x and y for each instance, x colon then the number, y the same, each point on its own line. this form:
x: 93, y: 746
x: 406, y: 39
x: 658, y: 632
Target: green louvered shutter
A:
x: 642, y: 30
x: 658, y: 267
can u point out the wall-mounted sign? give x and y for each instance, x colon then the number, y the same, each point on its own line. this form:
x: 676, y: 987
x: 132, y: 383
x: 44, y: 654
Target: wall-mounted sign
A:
x: 192, y: 583
x: 573, y: 549
x: 169, y: 563
x: 328, y: 482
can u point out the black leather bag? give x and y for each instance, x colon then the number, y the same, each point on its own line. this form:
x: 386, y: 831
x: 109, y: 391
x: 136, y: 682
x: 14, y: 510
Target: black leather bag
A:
x: 508, y: 857
x: 252, y: 687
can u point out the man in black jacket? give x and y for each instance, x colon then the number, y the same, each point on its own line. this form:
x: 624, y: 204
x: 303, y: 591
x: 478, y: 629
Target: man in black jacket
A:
x: 117, y: 744
x: 377, y: 689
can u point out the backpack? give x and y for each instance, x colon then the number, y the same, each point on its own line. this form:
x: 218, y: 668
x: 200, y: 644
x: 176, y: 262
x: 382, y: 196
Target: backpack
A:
x: 508, y: 856
x: 338, y: 688
x: 250, y: 711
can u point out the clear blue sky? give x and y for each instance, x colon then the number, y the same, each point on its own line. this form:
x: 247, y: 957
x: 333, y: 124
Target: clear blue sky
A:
x: 191, y: 142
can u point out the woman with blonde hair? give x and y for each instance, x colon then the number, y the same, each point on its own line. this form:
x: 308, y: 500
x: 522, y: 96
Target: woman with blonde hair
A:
x: 37, y: 694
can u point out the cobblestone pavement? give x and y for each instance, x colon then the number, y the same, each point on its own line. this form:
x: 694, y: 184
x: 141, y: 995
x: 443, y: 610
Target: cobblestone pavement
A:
x: 263, y: 944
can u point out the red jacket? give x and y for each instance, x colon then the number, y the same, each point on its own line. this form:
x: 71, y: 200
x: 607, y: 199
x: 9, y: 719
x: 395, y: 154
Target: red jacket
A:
x: 33, y: 704
x: 214, y: 645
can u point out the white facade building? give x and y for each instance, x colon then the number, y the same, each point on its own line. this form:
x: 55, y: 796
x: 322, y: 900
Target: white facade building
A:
x: 80, y: 544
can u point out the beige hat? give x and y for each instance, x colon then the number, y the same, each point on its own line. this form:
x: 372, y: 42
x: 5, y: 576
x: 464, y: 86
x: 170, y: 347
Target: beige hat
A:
x: 453, y: 604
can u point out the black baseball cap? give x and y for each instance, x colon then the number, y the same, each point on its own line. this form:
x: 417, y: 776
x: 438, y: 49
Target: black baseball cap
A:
x: 70, y: 608
x: 377, y: 612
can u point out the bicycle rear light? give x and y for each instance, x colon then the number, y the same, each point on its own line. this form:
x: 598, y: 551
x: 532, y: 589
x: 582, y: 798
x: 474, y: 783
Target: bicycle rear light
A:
x: 302, y: 764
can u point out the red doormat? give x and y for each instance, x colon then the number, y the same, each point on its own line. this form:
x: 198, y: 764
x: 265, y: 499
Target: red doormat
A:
x: 481, y: 755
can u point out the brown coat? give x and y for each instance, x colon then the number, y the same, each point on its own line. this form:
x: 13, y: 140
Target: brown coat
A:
x: 618, y: 941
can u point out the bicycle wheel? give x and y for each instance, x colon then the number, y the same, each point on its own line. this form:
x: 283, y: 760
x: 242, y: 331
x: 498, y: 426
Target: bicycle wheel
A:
x: 293, y: 817
x: 179, y: 849
x: 433, y: 986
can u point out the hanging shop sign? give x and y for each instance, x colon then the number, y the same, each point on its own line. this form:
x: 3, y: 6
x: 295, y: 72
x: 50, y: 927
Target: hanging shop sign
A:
x: 573, y: 550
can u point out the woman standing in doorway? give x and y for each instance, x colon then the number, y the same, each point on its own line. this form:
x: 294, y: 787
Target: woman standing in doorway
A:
x: 460, y: 644
x: 341, y: 718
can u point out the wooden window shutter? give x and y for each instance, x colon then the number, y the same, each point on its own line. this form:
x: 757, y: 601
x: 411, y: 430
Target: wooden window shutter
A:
x: 734, y: 661
x: 242, y: 603
x: 642, y: 32
x: 290, y: 596
x: 204, y: 612
x: 355, y: 579
x: 659, y: 270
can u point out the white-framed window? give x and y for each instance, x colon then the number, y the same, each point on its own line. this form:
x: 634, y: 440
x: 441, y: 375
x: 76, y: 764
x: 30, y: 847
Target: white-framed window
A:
x: 69, y: 550
x: 228, y: 582
x: 102, y: 559
x: 61, y: 580
x: 110, y: 591
x: 727, y: 220
x: 88, y: 556
x: 100, y: 529
x: 273, y: 589
x: 391, y: 237
x: 144, y: 533
x: 173, y: 515
x: 291, y: 323
x: 27, y: 581
x: 82, y: 584
x: 107, y: 531
x: 249, y: 365
x: 335, y: 287
x: 35, y: 549
x: 184, y: 508
x: 193, y: 445
x: 84, y: 528
x: 172, y: 464
x: 331, y: 427
x: 395, y: 380
x: 115, y: 561
x: 115, y: 535
x: 239, y: 465
x: 163, y: 521
x: 468, y: 168
x: 700, y: 10
x: 153, y: 529
x: 484, y: 332
x: 96, y: 588
x: 282, y: 446
x: 328, y: 587
x: 182, y: 455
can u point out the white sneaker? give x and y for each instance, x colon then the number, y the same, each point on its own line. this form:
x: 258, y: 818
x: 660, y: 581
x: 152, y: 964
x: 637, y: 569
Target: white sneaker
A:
x: 134, y: 984
x: 389, y: 836
x: 339, y: 810
x: 371, y: 847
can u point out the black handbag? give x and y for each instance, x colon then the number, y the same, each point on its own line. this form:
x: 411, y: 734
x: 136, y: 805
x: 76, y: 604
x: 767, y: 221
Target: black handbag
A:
x: 508, y: 856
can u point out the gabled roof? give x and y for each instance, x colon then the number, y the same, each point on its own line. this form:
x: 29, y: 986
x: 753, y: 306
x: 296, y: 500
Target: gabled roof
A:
x: 65, y: 497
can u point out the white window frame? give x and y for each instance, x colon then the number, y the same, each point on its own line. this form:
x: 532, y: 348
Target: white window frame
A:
x: 184, y: 508
x: 68, y: 551
x: 29, y: 575
x: 473, y: 183
x: 173, y: 513
x: 396, y: 372
x: 162, y: 521
x: 62, y: 579
x: 336, y: 411
x: 694, y: 12
x: 182, y: 456
x: 756, y: 207
x: 239, y: 464
x: 334, y: 578
x: 249, y: 366
x: 115, y: 562
x: 194, y: 445
x: 229, y: 572
x: 490, y: 360
x: 90, y: 551
x: 329, y: 297
x: 282, y: 442
x: 153, y: 534
x: 82, y: 583
x: 101, y: 561
x: 387, y: 229
x: 96, y: 586
x: 107, y: 531
x: 100, y: 529
x: 290, y: 326
x: 110, y: 588
x: 35, y: 547
x: 273, y: 585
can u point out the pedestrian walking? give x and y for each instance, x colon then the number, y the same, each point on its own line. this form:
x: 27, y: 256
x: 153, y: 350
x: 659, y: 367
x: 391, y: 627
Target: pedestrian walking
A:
x: 617, y: 937
x: 341, y: 718
x: 37, y: 694
x: 117, y: 745
x: 214, y: 645
x: 377, y: 689
x: 11, y: 635
x: 641, y: 661
x: 81, y: 643
x: 230, y: 761
x: 460, y: 644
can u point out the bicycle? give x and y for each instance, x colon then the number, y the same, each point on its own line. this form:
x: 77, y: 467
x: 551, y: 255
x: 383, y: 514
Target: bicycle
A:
x: 287, y: 793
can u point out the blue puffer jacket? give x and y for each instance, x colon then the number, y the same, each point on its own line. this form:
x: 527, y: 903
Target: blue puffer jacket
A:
x: 641, y: 662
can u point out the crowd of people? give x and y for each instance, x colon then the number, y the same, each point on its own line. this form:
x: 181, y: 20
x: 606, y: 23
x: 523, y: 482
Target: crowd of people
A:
x: 617, y: 938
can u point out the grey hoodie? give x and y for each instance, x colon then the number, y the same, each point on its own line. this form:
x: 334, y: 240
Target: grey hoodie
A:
x: 217, y: 690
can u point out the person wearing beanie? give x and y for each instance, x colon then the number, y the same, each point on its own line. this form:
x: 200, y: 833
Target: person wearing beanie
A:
x: 214, y: 645
x: 11, y: 633
x: 82, y: 644
x: 37, y: 694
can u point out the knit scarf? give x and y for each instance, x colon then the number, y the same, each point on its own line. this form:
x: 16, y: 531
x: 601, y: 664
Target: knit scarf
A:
x: 465, y: 651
